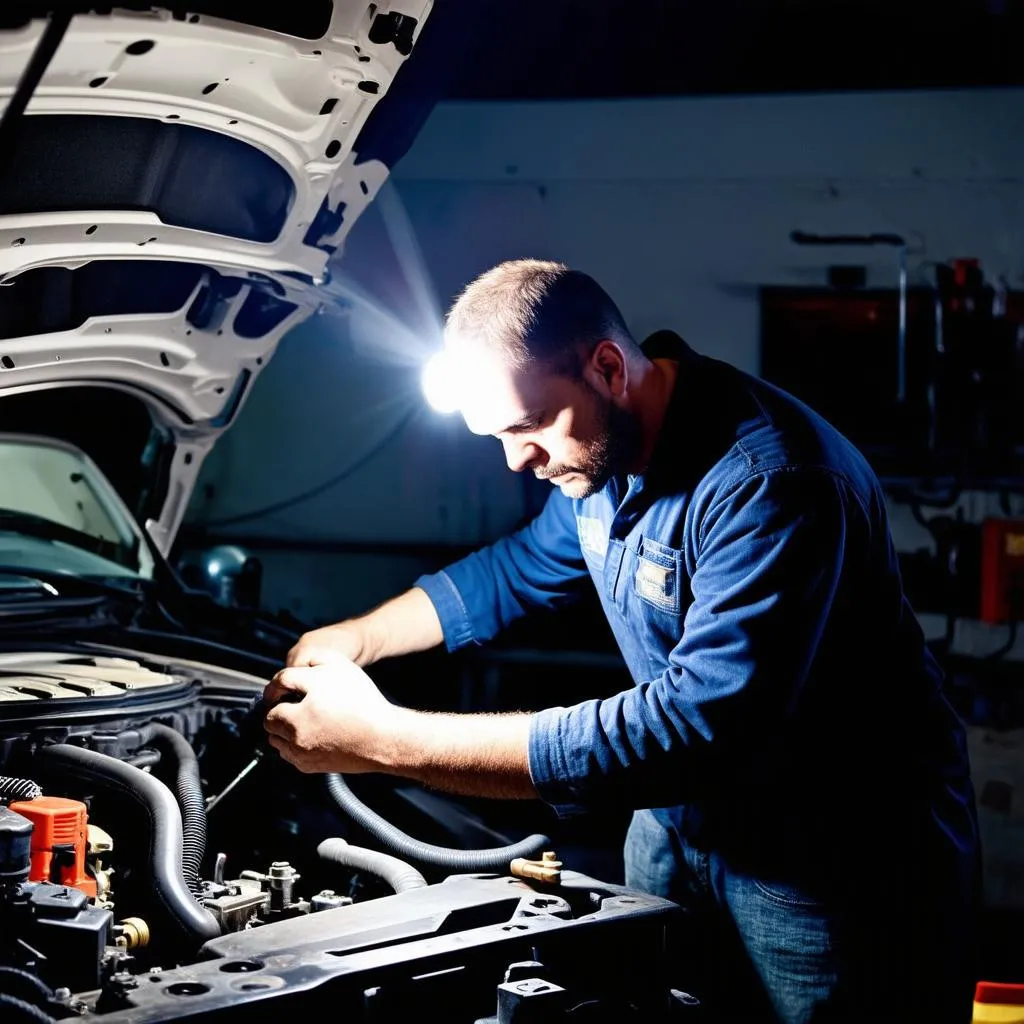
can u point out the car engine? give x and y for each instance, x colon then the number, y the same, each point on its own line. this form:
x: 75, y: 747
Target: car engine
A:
x: 157, y: 862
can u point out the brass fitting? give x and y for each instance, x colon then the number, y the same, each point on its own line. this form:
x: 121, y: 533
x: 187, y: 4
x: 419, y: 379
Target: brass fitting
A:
x: 132, y: 933
x: 547, y: 869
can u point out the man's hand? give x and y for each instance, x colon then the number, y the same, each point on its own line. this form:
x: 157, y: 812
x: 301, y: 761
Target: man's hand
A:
x: 404, y: 625
x: 342, y: 643
x: 330, y: 718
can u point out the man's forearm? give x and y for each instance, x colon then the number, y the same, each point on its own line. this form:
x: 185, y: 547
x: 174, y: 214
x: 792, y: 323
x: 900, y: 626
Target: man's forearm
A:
x: 406, y: 624
x: 473, y: 755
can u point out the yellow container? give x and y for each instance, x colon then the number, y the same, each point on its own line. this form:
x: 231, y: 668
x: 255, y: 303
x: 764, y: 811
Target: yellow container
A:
x: 997, y: 1003
x: 997, y: 1013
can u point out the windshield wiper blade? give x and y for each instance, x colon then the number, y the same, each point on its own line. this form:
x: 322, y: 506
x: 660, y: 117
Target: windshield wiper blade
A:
x: 32, y: 525
x: 54, y: 584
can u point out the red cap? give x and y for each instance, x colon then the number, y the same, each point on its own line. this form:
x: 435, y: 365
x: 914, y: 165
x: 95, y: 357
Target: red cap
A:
x: 999, y: 992
x: 59, y: 837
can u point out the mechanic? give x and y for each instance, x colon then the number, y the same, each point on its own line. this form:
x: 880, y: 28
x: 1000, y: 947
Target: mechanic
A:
x: 798, y: 779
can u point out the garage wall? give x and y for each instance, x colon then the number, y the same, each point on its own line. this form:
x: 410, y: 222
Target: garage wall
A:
x: 681, y: 207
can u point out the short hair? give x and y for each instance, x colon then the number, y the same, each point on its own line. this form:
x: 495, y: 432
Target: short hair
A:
x: 537, y: 311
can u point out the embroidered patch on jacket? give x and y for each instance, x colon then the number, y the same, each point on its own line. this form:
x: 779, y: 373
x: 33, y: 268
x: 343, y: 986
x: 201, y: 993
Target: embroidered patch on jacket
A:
x: 593, y: 535
x: 656, y: 583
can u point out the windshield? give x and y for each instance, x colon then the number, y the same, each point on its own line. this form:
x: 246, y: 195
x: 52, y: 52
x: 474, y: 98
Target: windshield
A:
x: 59, y: 513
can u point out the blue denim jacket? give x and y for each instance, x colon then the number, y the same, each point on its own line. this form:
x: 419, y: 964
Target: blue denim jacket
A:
x: 784, y: 695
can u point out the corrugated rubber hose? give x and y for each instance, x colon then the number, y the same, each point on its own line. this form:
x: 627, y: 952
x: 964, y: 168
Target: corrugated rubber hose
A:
x: 12, y: 1010
x: 195, y: 921
x: 399, y: 875
x: 18, y: 789
x: 189, y: 790
x: 24, y: 985
x: 495, y: 860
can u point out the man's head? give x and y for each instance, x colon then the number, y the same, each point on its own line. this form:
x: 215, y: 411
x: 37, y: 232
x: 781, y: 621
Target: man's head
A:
x: 546, y: 363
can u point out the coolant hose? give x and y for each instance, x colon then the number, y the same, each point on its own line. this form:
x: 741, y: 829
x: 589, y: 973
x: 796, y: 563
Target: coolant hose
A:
x: 165, y: 820
x: 189, y: 790
x: 399, y: 875
x: 495, y: 860
x: 18, y: 789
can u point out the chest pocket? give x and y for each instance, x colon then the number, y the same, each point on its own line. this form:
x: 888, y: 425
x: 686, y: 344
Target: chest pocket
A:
x: 657, y: 578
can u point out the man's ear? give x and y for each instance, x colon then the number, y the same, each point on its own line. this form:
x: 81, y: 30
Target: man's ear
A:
x: 606, y: 369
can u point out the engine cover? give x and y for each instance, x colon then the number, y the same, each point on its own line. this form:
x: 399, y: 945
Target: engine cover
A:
x: 445, y: 950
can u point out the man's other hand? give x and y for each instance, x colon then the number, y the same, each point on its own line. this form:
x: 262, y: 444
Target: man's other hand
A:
x: 330, y: 718
x: 341, y: 643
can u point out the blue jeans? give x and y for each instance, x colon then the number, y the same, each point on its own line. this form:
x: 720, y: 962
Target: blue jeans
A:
x: 755, y: 950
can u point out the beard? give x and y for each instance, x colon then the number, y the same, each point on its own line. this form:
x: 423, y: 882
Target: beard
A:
x: 609, y: 450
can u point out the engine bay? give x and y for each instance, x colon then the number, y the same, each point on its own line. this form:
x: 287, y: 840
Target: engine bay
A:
x: 158, y: 861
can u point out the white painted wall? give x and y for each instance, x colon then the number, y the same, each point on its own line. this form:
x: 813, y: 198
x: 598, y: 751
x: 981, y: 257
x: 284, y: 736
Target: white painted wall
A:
x: 680, y: 207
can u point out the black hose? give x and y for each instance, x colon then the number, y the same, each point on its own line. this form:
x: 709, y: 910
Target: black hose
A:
x: 189, y: 790
x: 18, y: 789
x: 144, y: 758
x: 396, y: 841
x: 195, y: 921
x: 19, y: 984
x: 17, y: 1009
x: 399, y: 875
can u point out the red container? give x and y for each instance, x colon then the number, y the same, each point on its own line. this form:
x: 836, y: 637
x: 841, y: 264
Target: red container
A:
x: 59, y: 840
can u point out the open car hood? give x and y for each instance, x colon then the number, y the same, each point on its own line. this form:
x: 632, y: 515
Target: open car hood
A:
x: 173, y: 192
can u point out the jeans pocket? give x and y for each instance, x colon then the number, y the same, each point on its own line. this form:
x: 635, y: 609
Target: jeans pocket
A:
x: 787, y: 895
x: 652, y: 860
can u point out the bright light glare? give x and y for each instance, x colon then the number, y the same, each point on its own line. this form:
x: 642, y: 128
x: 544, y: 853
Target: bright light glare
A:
x: 440, y: 384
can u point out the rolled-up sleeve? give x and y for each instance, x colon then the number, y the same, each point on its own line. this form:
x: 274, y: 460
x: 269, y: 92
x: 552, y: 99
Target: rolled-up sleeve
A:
x: 540, y: 566
x: 766, y: 574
